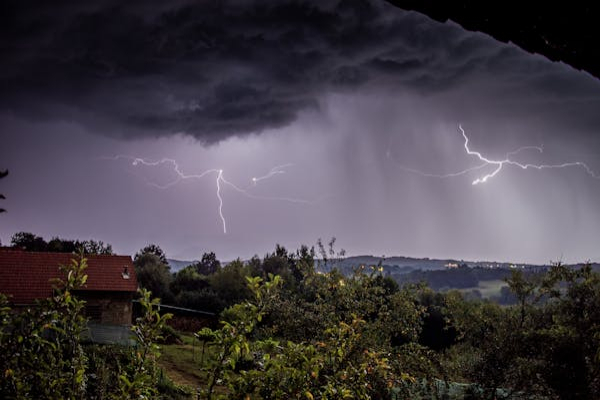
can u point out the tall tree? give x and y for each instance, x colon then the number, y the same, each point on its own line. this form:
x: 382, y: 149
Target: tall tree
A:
x: 208, y: 265
x: 153, y: 249
x: 153, y: 272
x: 154, y: 275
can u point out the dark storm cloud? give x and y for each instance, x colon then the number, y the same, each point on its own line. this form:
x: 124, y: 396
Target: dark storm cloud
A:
x: 214, y: 69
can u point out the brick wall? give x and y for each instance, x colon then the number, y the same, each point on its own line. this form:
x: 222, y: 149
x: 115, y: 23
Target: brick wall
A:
x: 110, y: 308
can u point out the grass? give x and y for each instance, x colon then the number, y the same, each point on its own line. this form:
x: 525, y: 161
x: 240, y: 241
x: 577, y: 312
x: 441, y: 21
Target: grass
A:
x: 183, y: 363
x: 488, y: 289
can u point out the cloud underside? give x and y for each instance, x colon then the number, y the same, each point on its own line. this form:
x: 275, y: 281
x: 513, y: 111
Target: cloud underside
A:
x: 216, y: 69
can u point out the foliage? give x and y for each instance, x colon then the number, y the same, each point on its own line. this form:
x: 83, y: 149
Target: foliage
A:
x: 153, y: 274
x: 305, y: 334
x: 338, y: 363
x: 94, y: 247
x: 232, y: 338
x: 421, y: 342
x: 188, y: 280
x: 139, y: 379
x: 29, y: 242
x: 3, y: 174
x: 43, y: 356
x: 215, y: 292
x: 545, y: 345
x: 208, y: 265
x: 154, y: 250
x: 229, y: 283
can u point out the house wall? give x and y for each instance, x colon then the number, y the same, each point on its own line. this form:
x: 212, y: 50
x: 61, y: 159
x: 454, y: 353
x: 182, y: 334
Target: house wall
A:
x: 110, y: 308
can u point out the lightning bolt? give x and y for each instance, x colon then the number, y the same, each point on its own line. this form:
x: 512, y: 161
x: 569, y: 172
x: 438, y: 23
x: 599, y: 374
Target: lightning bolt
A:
x: 507, y: 161
x: 219, y: 181
x: 390, y: 156
x: 499, y: 164
x: 180, y: 175
x: 279, y: 169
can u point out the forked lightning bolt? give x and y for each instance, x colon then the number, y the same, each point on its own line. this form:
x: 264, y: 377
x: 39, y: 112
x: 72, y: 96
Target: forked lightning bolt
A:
x: 220, y: 179
x: 507, y: 161
x: 499, y: 164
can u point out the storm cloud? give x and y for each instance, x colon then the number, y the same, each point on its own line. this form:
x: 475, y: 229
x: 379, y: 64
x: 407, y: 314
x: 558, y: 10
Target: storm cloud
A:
x: 215, y: 69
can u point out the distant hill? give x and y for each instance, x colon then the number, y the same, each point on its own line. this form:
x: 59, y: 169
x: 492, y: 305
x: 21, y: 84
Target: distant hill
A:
x: 401, y: 265
x: 177, y: 265
x: 396, y: 265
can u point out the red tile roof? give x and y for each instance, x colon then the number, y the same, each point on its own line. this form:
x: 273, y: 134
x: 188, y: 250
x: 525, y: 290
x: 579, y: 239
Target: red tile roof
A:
x: 26, y: 275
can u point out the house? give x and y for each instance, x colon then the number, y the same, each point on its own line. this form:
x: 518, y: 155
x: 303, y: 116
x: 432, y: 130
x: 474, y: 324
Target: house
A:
x: 108, y: 292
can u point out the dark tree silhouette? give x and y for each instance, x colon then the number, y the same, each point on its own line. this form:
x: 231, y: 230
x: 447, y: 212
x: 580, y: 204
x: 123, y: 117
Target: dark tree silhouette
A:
x: 153, y: 249
x: 29, y: 242
x: 2, y: 175
x: 208, y: 265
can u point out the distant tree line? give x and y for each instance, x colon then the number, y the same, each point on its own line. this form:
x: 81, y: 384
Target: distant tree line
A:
x: 461, y: 277
x: 30, y: 242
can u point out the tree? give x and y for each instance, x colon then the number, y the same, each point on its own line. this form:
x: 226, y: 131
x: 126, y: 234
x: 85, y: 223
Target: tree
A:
x: 304, y: 263
x: 140, y: 379
x: 208, y: 265
x: 94, y: 247
x: 188, y: 280
x: 276, y: 264
x: 335, y: 364
x: 153, y: 274
x: 3, y: 175
x: 230, y: 283
x: 59, y: 245
x: 524, y: 289
x: 571, y: 340
x: 29, y: 242
x: 152, y: 249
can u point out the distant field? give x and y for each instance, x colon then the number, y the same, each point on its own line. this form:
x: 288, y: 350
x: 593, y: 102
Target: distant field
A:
x: 487, y: 289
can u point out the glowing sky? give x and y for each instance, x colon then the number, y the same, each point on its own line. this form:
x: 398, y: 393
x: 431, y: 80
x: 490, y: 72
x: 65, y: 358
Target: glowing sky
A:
x: 351, y: 111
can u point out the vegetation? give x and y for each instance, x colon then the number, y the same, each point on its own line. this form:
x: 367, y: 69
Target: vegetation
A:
x: 2, y: 197
x: 44, y: 358
x: 183, y: 361
x: 30, y: 242
x: 153, y: 272
x: 314, y: 337
x: 287, y: 331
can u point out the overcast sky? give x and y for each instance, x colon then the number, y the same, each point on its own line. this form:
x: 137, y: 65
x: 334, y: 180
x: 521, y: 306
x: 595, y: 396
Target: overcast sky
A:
x: 349, y: 110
